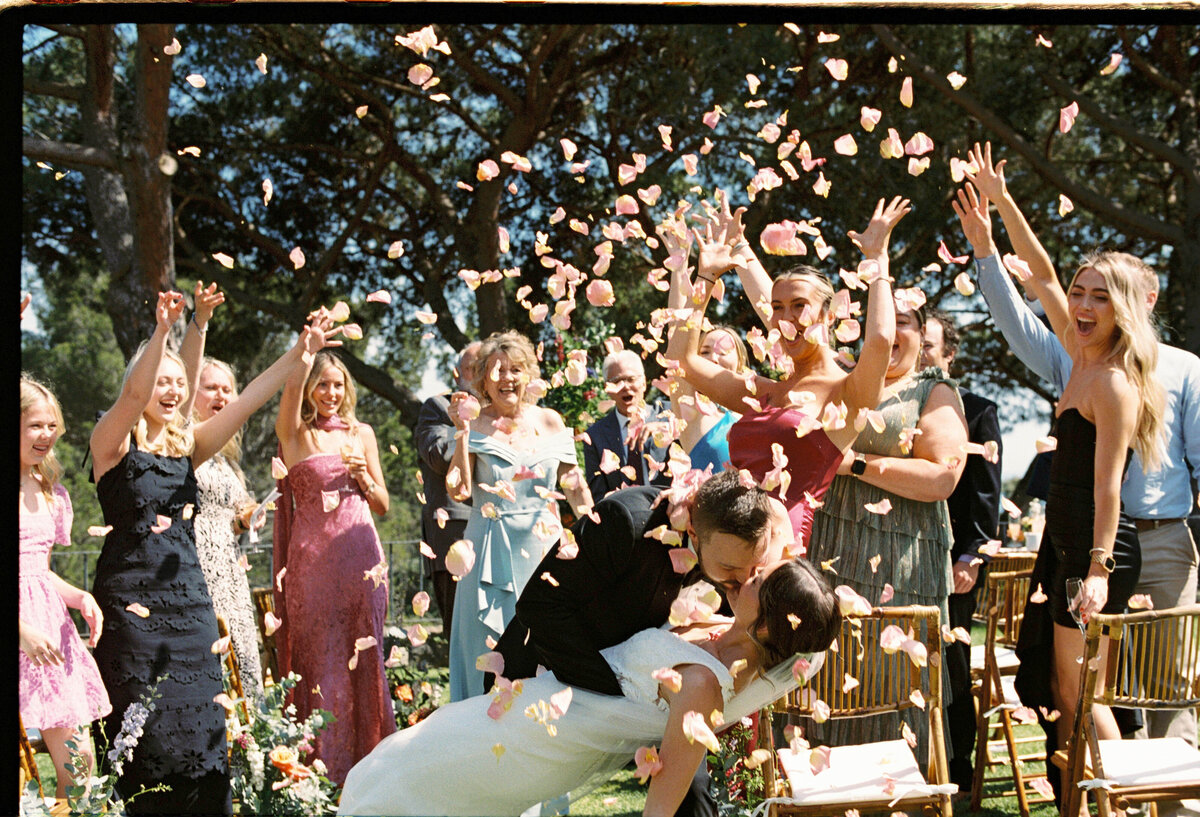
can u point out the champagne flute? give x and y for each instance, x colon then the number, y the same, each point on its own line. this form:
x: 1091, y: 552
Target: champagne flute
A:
x: 1074, y: 600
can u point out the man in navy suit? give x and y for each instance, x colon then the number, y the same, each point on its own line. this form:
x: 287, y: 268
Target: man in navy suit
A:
x: 974, y: 521
x: 625, y: 380
x: 434, y: 435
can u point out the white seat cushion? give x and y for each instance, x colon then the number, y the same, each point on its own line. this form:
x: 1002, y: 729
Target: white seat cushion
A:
x: 1144, y: 762
x: 1006, y: 657
x: 854, y: 774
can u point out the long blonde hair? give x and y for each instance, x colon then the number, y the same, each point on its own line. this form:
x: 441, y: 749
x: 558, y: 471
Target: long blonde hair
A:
x: 232, y: 450
x: 1134, y: 345
x: 176, y: 440
x: 49, y: 471
x: 308, y: 409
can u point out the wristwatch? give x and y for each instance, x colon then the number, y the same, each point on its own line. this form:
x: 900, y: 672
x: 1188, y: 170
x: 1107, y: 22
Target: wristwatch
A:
x: 1105, y: 560
x: 859, y: 466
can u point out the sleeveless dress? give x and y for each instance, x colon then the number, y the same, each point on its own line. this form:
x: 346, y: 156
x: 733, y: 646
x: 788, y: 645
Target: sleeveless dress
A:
x: 460, y: 761
x: 328, y: 604
x: 1071, y: 516
x: 713, y: 448
x: 221, y: 492
x: 183, y: 743
x: 53, y: 695
x: 913, y: 541
x: 812, y: 459
x: 509, y: 539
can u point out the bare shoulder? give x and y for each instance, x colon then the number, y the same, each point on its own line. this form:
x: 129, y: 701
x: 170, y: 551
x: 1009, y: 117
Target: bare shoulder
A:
x: 550, y: 420
x: 366, y: 431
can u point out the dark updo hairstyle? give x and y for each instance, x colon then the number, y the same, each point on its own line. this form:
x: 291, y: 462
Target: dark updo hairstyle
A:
x: 797, y: 588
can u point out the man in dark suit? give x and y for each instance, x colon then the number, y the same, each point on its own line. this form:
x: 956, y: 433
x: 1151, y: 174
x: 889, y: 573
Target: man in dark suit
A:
x: 434, y: 435
x: 974, y: 520
x: 625, y: 380
x: 623, y: 581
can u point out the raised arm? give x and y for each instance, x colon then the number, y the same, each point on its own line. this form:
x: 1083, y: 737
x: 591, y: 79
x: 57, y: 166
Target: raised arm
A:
x: 756, y: 281
x: 699, y: 693
x: 110, y: 436
x: 288, y: 425
x: 1030, y: 340
x: 864, y: 385
x: 192, y: 348
x: 1043, y: 281
x: 677, y: 240
x: 459, y: 474
x: 212, y: 434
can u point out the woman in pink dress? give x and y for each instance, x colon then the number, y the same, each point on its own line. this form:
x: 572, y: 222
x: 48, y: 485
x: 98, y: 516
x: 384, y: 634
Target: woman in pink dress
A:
x: 330, y: 574
x: 794, y: 431
x: 59, y: 687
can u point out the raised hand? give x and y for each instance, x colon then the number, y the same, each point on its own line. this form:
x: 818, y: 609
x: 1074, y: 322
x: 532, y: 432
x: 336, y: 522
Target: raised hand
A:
x: 207, y: 300
x: 976, y: 221
x: 873, y: 242
x: 989, y: 177
x: 729, y: 229
x: 676, y: 238
x: 169, y: 309
x: 319, y: 332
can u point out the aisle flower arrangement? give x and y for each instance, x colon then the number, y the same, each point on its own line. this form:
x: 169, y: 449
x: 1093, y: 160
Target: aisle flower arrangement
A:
x: 268, y: 754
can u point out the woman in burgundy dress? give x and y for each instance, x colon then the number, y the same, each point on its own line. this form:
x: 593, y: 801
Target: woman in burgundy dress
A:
x: 794, y: 431
x: 330, y: 573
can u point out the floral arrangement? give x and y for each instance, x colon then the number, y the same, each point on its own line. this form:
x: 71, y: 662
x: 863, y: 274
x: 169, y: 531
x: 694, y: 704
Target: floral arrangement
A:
x: 99, y: 795
x: 418, y: 687
x: 269, y: 775
x: 736, y: 787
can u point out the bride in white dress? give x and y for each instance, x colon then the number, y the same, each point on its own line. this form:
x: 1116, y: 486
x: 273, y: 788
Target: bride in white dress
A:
x: 463, y: 761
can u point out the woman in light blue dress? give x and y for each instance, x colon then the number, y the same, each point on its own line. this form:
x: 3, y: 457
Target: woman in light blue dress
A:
x: 509, y: 461
x: 706, y: 437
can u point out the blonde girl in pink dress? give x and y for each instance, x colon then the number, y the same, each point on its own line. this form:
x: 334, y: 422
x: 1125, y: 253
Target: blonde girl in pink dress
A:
x: 59, y: 686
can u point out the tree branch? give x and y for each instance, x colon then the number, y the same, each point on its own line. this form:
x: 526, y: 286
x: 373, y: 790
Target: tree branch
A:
x: 67, y: 153
x: 1151, y: 72
x: 58, y: 89
x: 482, y: 78
x: 1137, y: 223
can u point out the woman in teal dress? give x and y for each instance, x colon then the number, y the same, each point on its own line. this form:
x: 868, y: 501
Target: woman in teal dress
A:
x: 508, y: 461
x: 884, y: 521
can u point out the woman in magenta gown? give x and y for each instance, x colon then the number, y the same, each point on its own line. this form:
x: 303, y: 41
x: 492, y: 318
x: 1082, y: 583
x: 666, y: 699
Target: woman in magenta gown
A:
x: 331, y: 587
x: 795, y: 431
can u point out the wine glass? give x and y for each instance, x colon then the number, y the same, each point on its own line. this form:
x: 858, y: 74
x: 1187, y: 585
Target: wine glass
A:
x: 1074, y: 600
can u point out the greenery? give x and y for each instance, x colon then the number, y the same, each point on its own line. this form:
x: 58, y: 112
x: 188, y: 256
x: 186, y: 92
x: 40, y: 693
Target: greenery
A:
x: 419, y: 680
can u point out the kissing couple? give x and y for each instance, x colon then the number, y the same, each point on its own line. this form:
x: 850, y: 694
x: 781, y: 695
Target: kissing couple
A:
x: 618, y: 678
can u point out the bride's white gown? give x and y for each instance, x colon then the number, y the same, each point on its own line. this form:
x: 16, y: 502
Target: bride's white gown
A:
x: 459, y: 761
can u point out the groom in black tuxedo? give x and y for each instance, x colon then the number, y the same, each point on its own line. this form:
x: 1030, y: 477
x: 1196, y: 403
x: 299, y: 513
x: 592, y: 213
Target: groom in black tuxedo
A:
x: 622, y: 582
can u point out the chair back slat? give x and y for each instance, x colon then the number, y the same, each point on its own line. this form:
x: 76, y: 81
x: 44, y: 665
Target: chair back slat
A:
x: 1147, y: 655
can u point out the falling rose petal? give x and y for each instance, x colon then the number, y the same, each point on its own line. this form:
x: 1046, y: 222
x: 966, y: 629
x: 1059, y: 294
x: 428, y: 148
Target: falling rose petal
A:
x: 1044, y: 444
x: 352, y: 331
x: 261, y: 62
x: 818, y: 758
x: 845, y: 145
x: 956, y: 80
x: 271, y: 623
x: 426, y: 550
x: 549, y: 579
x: 869, y: 118
x: 838, y: 68
x: 420, y: 74
x: 1066, y: 117
x: 220, y: 646
x: 1064, y: 205
x: 340, y: 312
x: 887, y: 594
x: 917, y: 166
x: 567, y: 549
x: 1114, y: 60
x: 99, y: 530
x: 225, y: 701
x: 991, y: 451
x: 695, y: 729
x: 195, y: 80
x: 1037, y: 596
x: 223, y: 259
x: 395, y: 250
x: 690, y: 163
x: 944, y: 254
x: 1011, y: 507
x: 669, y: 678
x: 917, y: 653
x: 1017, y: 267
x: 851, y: 603
x: 906, y: 92
x: 626, y: 205
x: 487, y: 170
x: 1043, y: 787
x: 1043, y: 42
x: 427, y: 318
x: 1140, y: 601
x: 420, y: 603
x: 822, y: 185
x: 682, y: 559
x: 647, y: 762
x: 330, y: 500
x: 161, y: 523
x: 138, y: 610
x: 172, y: 49
x: 964, y: 285
x: 361, y: 111
x: 849, y: 682
x: 380, y: 296
x: 990, y: 547
x: 490, y: 661
x: 800, y: 670
x: 891, y: 147
x: 909, y: 736
x: 460, y: 558
x: 823, y: 37
x: 918, y: 145
x: 882, y: 507
x: 600, y: 293
x: 874, y: 562
x: 891, y: 638
x: 752, y: 83
x: 417, y: 634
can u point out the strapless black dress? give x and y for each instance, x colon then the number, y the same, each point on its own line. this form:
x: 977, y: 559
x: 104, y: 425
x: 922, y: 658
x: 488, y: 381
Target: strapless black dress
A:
x: 1071, y: 515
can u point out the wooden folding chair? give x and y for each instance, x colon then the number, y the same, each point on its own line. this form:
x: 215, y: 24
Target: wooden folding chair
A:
x: 233, y: 676
x: 29, y: 769
x: 993, y: 667
x: 1152, y: 662
x: 874, y: 776
x: 1005, y: 561
x: 264, y: 603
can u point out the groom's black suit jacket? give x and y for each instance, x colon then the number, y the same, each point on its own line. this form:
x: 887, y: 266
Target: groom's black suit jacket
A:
x: 620, y: 583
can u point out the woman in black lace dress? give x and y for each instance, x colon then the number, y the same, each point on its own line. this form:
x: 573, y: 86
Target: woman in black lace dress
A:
x: 159, y: 618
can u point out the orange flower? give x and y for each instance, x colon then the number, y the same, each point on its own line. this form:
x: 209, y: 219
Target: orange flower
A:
x: 287, y: 761
x: 404, y: 693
